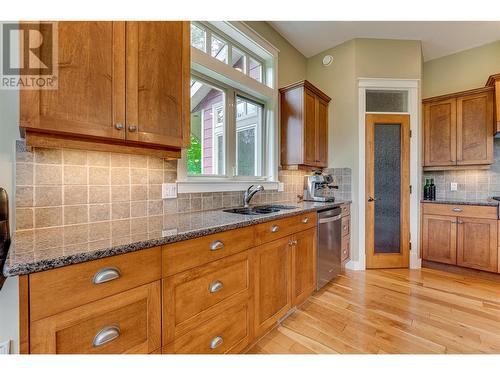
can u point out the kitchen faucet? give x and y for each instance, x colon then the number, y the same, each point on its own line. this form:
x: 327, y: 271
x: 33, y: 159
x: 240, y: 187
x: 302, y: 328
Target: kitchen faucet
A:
x: 250, y: 193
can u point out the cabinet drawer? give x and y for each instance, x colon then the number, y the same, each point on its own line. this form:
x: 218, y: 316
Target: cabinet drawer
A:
x: 64, y: 288
x: 196, y: 295
x: 127, y: 322
x: 346, y: 248
x: 272, y: 230
x: 181, y: 256
x: 482, y: 212
x: 346, y: 225
x: 227, y: 332
x: 346, y: 209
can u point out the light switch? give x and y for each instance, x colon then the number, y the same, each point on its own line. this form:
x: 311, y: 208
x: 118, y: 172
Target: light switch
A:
x: 169, y: 190
x: 453, y: 186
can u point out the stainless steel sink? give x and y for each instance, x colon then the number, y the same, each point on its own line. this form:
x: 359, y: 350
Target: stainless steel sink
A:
x: 259, y: 210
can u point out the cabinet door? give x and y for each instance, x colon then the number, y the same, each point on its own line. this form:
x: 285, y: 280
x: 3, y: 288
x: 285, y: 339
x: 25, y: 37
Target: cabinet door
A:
x: 322, y: 134
x: 272, y: 283
x: 440, y: 133
x: 128, y: 322
x: 475, y: 129
x: 90, y: 99
x: 477, y: 245
x: 158, y: 68
x: 439, y: 239
x: 303, y: 265
x: 310, y: 124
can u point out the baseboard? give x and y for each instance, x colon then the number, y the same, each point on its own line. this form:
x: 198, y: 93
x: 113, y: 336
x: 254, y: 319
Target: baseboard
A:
x: 461, y: 270
x: 354, y: 265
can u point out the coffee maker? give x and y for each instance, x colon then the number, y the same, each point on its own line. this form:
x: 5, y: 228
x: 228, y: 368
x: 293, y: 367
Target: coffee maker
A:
x: 318, y: 187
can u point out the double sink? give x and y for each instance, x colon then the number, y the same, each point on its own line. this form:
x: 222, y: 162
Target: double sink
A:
x: 259, y: 210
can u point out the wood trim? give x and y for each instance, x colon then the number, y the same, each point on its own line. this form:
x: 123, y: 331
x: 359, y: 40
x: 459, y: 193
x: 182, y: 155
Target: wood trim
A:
x: 308, y: 85
x: 24, y: 315
x: 132, y: 74
x: 119, y: 77
x: 455, y: 167
x: 492, y: 79
x: 444, y: 209
x: 400, y: 260
x: 38, y: 139
x: 186, y: 92
x: 457, y: 94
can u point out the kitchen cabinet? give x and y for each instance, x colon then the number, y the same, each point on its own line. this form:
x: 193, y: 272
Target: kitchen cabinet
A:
x: 304, y: 126
x: 461, y: 235
x: 114, y: 92
x: 494, y: 81
x: 458, y: 130
x: 303, y: 265
x: 346, y: 235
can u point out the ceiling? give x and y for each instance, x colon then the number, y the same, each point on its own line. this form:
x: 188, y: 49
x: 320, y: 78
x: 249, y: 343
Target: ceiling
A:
x: 439, y: 38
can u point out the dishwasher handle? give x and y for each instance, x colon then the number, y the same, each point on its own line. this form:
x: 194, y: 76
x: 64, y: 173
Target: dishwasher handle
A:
x: 330, y: 219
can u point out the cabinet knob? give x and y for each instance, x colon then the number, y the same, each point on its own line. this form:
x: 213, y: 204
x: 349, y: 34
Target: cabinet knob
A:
x: 119, y: 126
x: 456, y: 209
x: 305, y: 220
x: 105, y: 335
x: 132, y: 128
x: 216, y: 342
x: 275, y: 228
x: 216, y: 245
x: 216, y: 286
x: 106, y: 274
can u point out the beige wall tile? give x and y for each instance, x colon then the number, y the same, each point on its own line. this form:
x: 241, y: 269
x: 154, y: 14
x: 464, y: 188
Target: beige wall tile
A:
x: 138, y: 161
x: 170, y: 165
x: 99, y: 212
x: 155, y: 176
x: 75, y: 175
x: 195, y: 204
x: 48, y: 237
x: 120, y: 210
x: 120, y: 176
x: 75, y: 194
x: 24, y: 196
x: 74, y: 157
x: 120, y: 160
x: 155, y: 207
x: 24, y: 174
x: 120, y: 228
x: 76, y: 234
x: 76, y: 214
x: 24, y: 218
x: 48, y: 174
x: 48, y: 196
x: 98, y: 158
x: 155, y: 163
x: 155, y: 223
x: 100, y: 231
x: 169, y: 176
x: 138, y: 176
x: 99, y: 194
x: 99, y: 176
x: 138, y: 192
x: 154, y: 192
x: 170, y: 206
x: 139, y: 225
x: 48, y: 217
x: 48, y: 155
x: 138, y: 209
x: 120, y: 193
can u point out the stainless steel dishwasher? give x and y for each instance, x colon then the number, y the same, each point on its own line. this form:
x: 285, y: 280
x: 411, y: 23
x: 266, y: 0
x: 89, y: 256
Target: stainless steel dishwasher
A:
x: 329, y: 245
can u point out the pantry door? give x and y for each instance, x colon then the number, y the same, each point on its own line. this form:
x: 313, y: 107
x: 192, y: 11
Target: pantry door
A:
x: 387, y: 190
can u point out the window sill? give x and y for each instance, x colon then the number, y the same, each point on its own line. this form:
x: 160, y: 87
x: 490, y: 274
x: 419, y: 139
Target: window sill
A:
x: 221, y: 186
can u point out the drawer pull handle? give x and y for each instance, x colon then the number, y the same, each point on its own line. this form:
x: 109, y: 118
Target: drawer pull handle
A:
x: 456, y: 209
x: 216, y: 286
x: 275, y: 228
x: 216, y: 245
x: 105, y: 335
x: 216, y: 342
x: 305, y: 220
x: 106, y: 274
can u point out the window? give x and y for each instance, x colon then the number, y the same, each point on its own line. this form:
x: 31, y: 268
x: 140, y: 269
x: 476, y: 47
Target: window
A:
x: 248, y: 137
x: 205, y: 155
x: 255, y: 69
x: 198, y: 37
x: 219, y: 49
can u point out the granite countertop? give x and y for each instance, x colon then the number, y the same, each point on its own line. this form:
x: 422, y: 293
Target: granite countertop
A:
x: 43, y: 249
x: 468, y: 202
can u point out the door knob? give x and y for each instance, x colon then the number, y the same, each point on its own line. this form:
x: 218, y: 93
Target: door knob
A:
x: 371, y: 199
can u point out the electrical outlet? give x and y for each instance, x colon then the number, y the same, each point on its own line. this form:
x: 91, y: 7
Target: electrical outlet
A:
x: 453, y: 186
x: 281, y: 186
x: 5, y: 347
x: 169, y: 191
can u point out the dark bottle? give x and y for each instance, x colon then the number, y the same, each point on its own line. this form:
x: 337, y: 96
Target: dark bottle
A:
x: 426, y: 189
x: 432, y: 191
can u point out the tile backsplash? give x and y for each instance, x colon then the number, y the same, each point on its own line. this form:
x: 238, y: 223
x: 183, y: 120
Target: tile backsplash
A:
x: 472, y: 184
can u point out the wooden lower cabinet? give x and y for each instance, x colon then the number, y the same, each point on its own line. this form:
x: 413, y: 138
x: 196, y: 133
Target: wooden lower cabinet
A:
x: 128, y: 322
x: 477, y: 245
x: 303, y: 265
x: 439, y: 239
x: 272, y: 283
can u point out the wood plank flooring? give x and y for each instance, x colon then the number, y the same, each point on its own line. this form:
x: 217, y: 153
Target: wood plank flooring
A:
x: 393, y: 311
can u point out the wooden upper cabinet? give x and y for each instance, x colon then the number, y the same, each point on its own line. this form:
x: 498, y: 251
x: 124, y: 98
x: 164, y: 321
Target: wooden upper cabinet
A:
x: 494, y: 81
x: 120, y: 83
x: 458, y: 129
x: 90, y: 98
x: 304, y: 126
x: 158, y: 68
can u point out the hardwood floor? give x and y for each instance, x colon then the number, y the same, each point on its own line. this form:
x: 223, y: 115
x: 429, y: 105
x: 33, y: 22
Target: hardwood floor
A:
x: 393, y: 311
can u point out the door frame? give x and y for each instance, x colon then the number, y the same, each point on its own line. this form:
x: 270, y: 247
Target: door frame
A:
x: 388, y: 260
x: 412, y: 86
